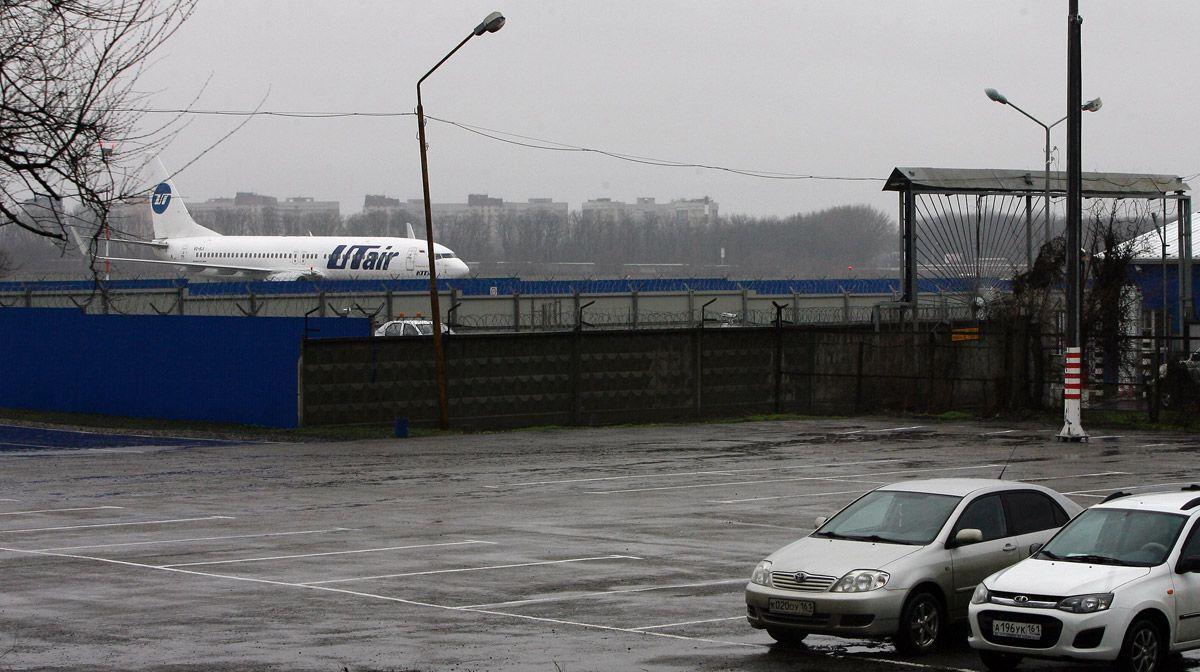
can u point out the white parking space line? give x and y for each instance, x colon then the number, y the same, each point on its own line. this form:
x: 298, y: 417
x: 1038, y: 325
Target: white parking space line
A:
x: 473, y: 569
x: 399, y: 600
x: 613, y: 628
x: 1105, y: 437
x: 682, y: 623
x: 139, y: 522
x: 180, y: 541
x: 1003, y: 431
x: 877, y: 431
x: 8, y: 500
x: 1153, y: 445
x: 1063, y: 478
x: 606, y: 593
x: 80, y: 508
x: 777, y: 527
x: 803, y: 495
x: 314, y: 555
x: 696, y: 473
x: 785, y: 480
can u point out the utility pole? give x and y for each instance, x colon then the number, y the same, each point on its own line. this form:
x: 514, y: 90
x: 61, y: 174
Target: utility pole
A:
x: 1073, y: 360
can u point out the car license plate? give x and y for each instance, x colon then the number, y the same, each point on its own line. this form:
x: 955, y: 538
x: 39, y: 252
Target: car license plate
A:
x: 1017, y: 630
x: 792, y: 607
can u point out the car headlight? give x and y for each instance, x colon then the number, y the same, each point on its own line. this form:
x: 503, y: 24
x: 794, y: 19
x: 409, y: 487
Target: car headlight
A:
x: 762, y: 573
x: 1086, y: 604
x: 861, y: 580
x: 981, y: 595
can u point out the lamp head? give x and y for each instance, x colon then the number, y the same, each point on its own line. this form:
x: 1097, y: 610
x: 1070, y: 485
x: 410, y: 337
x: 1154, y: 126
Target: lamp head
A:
x: 490, y: 24
x: 996, y: 96
x: 1092, y: 105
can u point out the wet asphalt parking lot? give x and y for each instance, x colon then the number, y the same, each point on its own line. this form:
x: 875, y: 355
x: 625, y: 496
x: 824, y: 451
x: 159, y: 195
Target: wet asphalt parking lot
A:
x: 557, y: 550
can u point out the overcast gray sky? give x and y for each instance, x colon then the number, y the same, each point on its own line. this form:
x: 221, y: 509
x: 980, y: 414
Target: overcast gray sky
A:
x: 834, y: 88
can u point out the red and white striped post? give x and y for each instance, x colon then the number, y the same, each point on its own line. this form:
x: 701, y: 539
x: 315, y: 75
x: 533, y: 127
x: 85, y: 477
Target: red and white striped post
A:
x: 1072, y: 396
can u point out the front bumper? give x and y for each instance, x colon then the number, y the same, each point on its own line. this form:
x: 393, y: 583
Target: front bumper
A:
x: 1064, y: 635
x: 874, y: 613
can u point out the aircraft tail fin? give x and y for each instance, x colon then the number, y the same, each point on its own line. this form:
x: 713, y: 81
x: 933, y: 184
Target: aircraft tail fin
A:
x: 408, y: 226
x: 169, y: 215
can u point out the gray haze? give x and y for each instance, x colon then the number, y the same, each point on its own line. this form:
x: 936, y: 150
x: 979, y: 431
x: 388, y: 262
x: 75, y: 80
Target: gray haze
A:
x: 829, y: 88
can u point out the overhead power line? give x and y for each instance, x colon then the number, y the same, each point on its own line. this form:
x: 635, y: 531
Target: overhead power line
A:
x: 520, y: 141
x: 542, y: 144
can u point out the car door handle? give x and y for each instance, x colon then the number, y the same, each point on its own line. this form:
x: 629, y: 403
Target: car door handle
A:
x: 1009, y: 547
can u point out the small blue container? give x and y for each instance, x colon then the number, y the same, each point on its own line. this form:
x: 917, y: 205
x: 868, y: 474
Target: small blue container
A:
x: 402, y: 427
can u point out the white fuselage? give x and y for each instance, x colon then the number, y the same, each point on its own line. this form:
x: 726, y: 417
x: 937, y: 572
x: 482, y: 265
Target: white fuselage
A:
x: 331, y: 257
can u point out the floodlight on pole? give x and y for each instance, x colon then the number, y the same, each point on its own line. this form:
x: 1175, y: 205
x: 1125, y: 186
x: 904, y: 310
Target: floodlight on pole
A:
x: 1092, y: 105
x: 490, y: 24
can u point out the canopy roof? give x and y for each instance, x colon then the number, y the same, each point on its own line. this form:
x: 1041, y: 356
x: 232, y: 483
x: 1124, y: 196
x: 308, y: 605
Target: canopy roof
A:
x: 1148, y: 247
x: 994, y: 181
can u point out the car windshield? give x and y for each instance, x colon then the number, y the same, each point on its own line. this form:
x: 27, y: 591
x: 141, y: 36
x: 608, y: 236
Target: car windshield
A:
x: 1116, y: 537
x: 891, y: 516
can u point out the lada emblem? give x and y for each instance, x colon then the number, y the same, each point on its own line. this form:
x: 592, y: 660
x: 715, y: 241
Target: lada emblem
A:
x: 1021, y: 599
x: 801, y: 576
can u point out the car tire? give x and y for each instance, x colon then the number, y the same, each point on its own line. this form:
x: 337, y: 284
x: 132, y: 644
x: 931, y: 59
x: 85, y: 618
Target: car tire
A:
x: 787, y: 637
x: 922, y: 624
x: 995, y: 661
x: 1144, y: 649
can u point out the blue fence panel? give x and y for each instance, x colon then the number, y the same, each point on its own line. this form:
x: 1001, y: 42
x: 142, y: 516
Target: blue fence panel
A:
x: 219, y: 369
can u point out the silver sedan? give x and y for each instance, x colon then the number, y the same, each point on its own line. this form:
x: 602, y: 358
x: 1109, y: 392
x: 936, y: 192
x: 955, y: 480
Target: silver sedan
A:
x: 902, y: 561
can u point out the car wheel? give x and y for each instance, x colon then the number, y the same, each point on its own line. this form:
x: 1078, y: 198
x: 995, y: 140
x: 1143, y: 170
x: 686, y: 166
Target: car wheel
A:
x: 1144, y: 649
x: 922, y: 621
x: 999, y: 662
x: 787, y: 637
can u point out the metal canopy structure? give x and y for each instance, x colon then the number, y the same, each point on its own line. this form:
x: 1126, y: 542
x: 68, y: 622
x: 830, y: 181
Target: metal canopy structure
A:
x: 971, y: 222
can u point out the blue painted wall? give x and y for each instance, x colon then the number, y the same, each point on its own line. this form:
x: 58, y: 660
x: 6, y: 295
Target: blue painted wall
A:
x: 220, y: 369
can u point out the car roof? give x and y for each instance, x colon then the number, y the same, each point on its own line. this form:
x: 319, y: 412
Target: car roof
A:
x: 1172, y: 502
x: 960, y: 487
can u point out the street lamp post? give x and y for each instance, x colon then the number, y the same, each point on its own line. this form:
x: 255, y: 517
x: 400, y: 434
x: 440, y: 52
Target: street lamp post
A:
x: 1090, y: 106
x: 490, y: 24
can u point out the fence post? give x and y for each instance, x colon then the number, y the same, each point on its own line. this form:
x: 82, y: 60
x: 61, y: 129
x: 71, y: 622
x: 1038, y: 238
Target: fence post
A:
x: 576, y: 373
x: 516, y: 311
x: 633, y: 306
x: 778, y: 354
x: 698, y: 366
x: 858, y: 378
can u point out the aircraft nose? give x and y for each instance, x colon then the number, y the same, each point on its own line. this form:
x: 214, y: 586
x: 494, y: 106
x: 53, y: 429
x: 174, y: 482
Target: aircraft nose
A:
x: 454, y: 268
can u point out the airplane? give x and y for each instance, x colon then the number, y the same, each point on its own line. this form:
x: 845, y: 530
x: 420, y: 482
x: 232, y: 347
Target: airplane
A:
x: 179, y: 241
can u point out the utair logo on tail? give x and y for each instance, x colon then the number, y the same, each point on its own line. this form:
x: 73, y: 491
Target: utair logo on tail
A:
x: 161, y: 198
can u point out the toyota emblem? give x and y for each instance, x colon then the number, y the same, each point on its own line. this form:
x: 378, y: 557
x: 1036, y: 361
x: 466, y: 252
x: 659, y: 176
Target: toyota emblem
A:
x: 800, y: 577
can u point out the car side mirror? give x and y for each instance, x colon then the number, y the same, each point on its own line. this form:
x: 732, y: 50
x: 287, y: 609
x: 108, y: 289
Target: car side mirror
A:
x: 1034, y: 548
x: 820, y: 520
x: 1187, y: 565
x: 967, y: 536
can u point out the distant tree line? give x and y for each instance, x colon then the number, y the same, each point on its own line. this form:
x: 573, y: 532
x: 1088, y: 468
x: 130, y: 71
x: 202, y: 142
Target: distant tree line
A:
x: 822, y: 243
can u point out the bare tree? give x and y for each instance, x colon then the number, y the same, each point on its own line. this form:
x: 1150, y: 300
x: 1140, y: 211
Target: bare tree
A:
x: 67, y: 100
